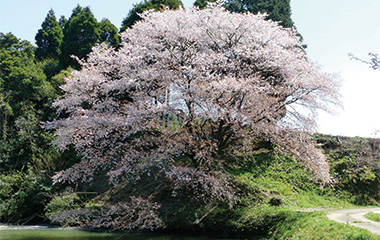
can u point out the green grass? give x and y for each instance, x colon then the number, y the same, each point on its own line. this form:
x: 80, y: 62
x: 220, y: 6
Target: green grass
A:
x: 316, y: 226
x: 45, y: 234
x: 23, y: 233
x: 273, y: 203
x: 261, y: 190
x: 373, y: 216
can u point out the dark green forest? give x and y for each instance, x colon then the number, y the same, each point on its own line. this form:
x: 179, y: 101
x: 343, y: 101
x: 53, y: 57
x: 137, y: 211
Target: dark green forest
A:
x: 270, y: 188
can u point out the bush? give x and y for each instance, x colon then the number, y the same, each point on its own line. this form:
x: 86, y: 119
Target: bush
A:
x: 355, y: 165
x: 64, y: 202
x: 138, y: 213
x: 22, y: 196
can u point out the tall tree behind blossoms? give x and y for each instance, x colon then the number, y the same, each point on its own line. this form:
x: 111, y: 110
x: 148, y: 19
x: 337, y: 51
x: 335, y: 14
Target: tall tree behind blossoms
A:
x: 81, y: 32
x: 49, y: 37
x: 133, y: 15
x: 188, y: 91
x: 108, y: 33
x: 277, y: 10
x: 201, y: 4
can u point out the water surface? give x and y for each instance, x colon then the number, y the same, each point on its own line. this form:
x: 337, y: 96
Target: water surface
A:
x: 46, y: 233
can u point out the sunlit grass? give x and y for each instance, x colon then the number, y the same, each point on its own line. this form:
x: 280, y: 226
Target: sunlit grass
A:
x: 312, y: 226
x: 373, y: 216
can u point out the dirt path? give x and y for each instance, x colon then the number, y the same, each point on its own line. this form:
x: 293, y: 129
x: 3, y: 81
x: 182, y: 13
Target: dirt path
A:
x: 355, y: 217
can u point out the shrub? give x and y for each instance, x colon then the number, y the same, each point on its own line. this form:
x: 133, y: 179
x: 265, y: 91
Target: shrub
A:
x: 22, y: 196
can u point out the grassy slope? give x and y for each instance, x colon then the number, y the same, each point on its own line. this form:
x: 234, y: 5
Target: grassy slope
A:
x: 288, y: 222
x: 274, y: 195
x: 315, y: 225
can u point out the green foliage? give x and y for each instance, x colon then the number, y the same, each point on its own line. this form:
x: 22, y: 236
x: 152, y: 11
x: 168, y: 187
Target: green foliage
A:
x: 28, y: 86
x: 62, y: 21
x: 202, y: 3
x: 50, y: 66
x: 22, y: 196
x: 24, y: 93
x: 373, y: 216
x: 109, y: 33
x: 27, y: 157
x: 281, y: 181
x: 57, y: 80
x: 278, y: 10
x: 64, y: 202
x: 272, y: 167
x: 49, y: 37
x: 355, y: 165
x: 271, y: 190
x: 20, y: 78
x: 80, y: 33
x: 144, y: 6
x: 315, y: 225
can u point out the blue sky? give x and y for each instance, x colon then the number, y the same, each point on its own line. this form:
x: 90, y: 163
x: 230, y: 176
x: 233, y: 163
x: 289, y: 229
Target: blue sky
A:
x: 331, y: 29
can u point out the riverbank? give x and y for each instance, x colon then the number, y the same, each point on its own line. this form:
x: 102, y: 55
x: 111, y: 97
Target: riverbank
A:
x: 275, y: 198
x: 38, y: 232
x: 307, y: 224
x: 42, y: 232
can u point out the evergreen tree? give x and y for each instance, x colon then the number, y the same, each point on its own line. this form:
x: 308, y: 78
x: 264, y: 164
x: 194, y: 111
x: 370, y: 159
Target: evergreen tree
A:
x: 109, y: 33
x: 81, y: 32
x: 24, y: 94
x: 146, y: 5
x: 202, y: 3
x: 49, y: 37
x: 62, y: 21
x: 278, y: 10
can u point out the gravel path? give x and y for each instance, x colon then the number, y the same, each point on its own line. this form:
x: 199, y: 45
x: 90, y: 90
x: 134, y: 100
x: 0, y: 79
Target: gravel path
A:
x: 355, y: 217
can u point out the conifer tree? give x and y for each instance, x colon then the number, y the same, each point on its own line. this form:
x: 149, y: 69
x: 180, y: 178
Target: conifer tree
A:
x: 202, y: 3
x: 146, y: 5
x: 49, y: 37
x: 109, y: 33
x: 62, y: 21
x: 278, y: 10
x: 81, y: 33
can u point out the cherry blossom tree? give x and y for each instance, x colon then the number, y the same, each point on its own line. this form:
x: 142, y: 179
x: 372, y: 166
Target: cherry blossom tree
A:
x: 188, y: 91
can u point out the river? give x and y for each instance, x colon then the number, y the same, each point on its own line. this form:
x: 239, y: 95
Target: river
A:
x: 48, y: 233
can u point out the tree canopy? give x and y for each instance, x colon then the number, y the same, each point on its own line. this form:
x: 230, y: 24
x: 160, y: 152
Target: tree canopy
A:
x: 80, y: 33
x: 188, y: 92
x: 23, y: 92
x: 108, y: 33
x: 49, y: 37
x: 201, y: 4
x: 133, y: 15
x: 277, y: 10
